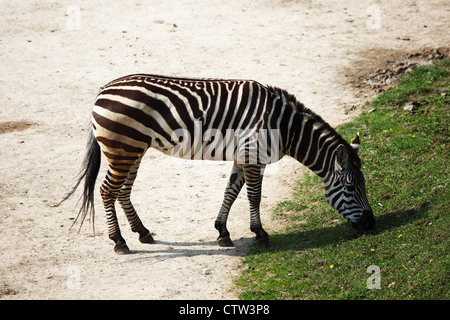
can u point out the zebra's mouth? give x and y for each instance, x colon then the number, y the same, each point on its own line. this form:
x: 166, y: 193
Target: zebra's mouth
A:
x: 365, y: 222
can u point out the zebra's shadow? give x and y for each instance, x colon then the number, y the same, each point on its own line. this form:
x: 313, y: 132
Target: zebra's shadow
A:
x: 324, y: 236
x: 294, y: 240
x: 163, y: 250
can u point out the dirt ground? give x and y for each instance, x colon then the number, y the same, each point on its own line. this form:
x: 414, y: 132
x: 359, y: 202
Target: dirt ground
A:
x: 54, y: 56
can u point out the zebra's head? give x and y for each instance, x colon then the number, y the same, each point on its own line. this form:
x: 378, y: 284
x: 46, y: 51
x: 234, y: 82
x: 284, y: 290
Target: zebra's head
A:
x: 345, y: 189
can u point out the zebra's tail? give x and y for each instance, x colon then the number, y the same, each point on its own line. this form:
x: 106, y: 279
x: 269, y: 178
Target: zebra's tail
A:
x: 89, y: 172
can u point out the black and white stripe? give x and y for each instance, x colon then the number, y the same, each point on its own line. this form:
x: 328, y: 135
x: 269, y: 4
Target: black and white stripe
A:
x: 237, y: 120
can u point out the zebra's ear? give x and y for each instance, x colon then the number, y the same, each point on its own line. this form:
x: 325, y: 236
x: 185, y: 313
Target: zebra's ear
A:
x: 356, y: 143
x: 341, y: 157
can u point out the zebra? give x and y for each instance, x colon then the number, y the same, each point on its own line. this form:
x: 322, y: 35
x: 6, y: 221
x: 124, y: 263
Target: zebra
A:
x: 141, y: 111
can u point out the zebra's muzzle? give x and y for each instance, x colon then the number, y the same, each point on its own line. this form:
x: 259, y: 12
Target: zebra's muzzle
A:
x: 365, y: 222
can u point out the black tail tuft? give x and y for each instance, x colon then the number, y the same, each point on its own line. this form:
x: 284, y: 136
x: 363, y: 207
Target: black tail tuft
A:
x: 89, y: 172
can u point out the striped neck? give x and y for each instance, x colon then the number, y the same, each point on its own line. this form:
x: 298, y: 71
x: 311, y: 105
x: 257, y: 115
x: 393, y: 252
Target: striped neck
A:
x: 312, y: 143
x: 311, y: 140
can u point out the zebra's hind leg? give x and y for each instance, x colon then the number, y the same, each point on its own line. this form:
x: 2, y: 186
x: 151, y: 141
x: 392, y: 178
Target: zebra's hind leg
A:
x: 119, y: 169
x: 234, y: 185
x: 109, y: 191
x: 253, y: 175
x: 125, y: 202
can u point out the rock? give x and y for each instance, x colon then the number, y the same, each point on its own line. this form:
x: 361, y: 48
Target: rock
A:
x: 409, y: 107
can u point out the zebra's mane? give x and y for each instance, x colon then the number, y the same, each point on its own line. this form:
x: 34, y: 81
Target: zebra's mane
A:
x: 299, y: 107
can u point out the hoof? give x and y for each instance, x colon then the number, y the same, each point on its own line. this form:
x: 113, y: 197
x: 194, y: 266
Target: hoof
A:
x: 225, y: 242
x: 147, y: 238
x: 122, y: 249
x: 263, y: 242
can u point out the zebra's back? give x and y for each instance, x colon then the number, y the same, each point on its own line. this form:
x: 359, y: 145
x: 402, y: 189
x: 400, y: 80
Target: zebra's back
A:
x: 139, y: 111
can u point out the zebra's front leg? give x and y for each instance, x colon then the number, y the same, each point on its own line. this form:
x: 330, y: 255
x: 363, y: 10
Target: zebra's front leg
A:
x: 234, y: 185
x: 253, y: 175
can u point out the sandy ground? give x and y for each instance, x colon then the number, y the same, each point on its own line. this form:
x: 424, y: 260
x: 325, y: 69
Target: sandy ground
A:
x: 54, y: 55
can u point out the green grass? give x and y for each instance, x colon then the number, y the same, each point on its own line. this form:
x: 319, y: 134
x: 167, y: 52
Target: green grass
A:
x: 406, y: 163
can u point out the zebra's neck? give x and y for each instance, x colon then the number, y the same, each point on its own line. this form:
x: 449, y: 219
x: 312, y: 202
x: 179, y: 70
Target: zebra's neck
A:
x: 308, y: 138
